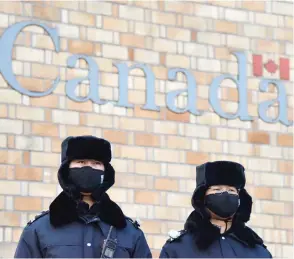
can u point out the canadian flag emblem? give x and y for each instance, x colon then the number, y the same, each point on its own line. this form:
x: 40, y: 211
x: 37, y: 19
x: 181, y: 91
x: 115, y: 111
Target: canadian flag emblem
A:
x: 271, y: 67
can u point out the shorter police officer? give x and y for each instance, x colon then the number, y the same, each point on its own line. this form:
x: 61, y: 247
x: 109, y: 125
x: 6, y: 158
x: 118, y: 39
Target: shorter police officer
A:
x: 83, y: 221
x: 216, y: 228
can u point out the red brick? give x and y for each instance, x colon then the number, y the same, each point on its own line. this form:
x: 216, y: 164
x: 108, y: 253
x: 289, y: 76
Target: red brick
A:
x: 203, y: 78
x: 258, y: 6
x: 273, y: 207
x: 116, y: 136
x: 24, y: 39
x: 160, y: 72
x: 128, y: 39
x: 16, y: 233
x: 2, y: 172
x: 45, y: 129
x: 264, y: 193
x: 213, y: 133
x: 131, y: 181
x: 11, y: 7
x: 131, y: 54
x: 226, y: 27
x: 284, y: 222
x: 10, y: 219
x: 82, y: 18
x: 161, y: 5
x: 196, y: 158
x: 194, y: 35
x: 181, y: 117
x: 80, y: 47
x: 162, y: 59
x: 267, y: 46
x: 3, y: 111
x: 138, y: 112
x: 10, y: 157
x: 51, y: 101
x: 285, y: 166
x: 46, y: 13
x: 77, y: 131
x: 44, y: 71
x: 151, y: 227
x: 11, y: 141
x: 114, y: 11
x: 166, y: 184
x: 32, y: 84
x: 27, y: 158
x: 285, y: 140
x: 84, y: 106
x: 83, y: 119
x: 48, y: 115
x: 66, y: 4
x: 142, y: 139
x: 222, y: 53
x: 28, y: 203
x: 258, y: 137
x: 146, y: 197
x: 28, y: 173
x: 56, y: 145
x: 183, y: 7
x: 10, y: 172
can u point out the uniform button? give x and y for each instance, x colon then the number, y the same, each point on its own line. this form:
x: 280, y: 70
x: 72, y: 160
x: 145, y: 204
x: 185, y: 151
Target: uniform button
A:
x: 223, y: 237
x: 88, y: 244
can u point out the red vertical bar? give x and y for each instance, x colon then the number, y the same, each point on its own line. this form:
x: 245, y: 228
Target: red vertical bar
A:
x: 257, y: 65
x: 284, y: 69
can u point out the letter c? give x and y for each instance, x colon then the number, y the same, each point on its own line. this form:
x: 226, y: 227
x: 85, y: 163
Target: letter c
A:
x: 6, y: 45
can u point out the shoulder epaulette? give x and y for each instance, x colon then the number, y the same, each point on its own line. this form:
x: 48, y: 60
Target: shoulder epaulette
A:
x: 40, y: 215
x: 135, y: 223
x: 175, y: 235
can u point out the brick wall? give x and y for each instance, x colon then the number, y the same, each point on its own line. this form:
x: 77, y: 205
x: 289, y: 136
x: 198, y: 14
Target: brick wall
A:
x: 155, y: 153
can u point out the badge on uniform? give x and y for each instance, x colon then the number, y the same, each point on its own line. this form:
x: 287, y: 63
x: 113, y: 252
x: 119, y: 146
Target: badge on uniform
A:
x: 109, y: 246
x: 174, y: 235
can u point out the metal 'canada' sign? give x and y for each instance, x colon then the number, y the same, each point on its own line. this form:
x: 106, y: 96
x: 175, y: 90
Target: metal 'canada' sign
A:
x: 10, y: 34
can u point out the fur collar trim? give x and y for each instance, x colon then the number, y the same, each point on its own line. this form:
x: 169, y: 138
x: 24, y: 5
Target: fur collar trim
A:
x: 64, y: 210
x: 205, y: 233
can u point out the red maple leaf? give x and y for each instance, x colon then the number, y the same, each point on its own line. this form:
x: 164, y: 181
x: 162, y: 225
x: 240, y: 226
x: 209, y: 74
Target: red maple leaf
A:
x: 271, y: 67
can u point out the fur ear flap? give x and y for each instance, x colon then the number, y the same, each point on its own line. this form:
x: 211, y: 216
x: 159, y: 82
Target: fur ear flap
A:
x: 62, y: 210
x: 112, y: 213
x: 198, y: 197
x: 245, y: 207
x: 109, y: 179
x: 203, y: 232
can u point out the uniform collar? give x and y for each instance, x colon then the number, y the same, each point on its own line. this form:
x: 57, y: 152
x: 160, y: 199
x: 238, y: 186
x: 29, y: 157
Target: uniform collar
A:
x: 206, y: 233
x: 64, y: 210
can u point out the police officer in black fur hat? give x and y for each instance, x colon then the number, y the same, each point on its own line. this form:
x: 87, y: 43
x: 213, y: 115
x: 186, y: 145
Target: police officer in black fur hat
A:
x: 82, y: 221
x: 216, y: 228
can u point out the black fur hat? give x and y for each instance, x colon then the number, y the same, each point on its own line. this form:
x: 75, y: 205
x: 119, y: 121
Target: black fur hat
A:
x: 222, y: 173
x: 64, y: 209
x: 85, y: 147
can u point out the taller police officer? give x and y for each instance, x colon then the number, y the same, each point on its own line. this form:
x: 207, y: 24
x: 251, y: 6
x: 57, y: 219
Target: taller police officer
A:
x: 82, y: 221
x: 216, y: 228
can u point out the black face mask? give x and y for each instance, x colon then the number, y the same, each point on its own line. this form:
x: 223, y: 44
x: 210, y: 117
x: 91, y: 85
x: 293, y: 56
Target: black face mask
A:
x: 222, y: 204
x: 86, y: 179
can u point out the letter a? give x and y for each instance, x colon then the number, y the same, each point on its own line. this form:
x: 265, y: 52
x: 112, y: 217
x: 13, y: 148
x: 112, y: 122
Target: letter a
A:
x: 241, y: 83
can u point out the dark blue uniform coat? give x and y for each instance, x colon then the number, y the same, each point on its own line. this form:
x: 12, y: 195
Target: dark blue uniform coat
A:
x: 226, y: 246
x: 61, y: 232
